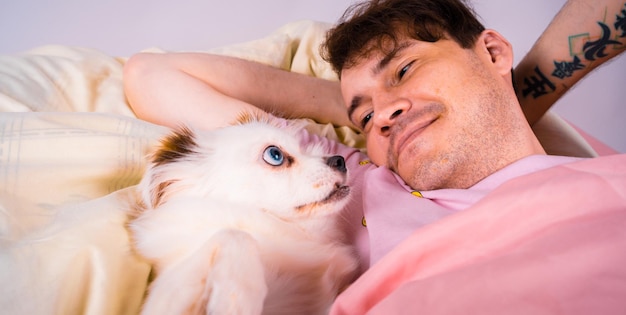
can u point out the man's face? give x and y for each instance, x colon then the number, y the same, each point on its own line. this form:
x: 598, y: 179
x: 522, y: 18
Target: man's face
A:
x: 438, y: 115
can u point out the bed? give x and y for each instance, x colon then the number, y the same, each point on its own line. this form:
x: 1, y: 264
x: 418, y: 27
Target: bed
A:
x: 71, y: 151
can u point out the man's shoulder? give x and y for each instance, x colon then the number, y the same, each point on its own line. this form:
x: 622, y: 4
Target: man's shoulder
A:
x: 616, y: 163
x: 591, y: 177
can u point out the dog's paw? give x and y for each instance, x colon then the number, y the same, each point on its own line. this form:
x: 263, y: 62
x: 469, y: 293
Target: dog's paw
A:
x: 224, y: 276
x: 231, y: 298
x: 236, y: 281
x: 180, y: 289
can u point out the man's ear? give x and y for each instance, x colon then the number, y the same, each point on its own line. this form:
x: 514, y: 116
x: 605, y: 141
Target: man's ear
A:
x: 499, y: 49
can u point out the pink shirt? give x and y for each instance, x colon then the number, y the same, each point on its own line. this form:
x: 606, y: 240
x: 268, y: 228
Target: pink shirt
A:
x: 552, y: 241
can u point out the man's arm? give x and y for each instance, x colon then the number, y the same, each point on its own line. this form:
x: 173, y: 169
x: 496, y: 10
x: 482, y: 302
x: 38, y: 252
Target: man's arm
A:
x: 210, y: 91
x: 582, y: 36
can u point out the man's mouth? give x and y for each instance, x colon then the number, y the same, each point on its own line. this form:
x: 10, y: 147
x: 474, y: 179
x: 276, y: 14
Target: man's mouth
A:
x: 405, y: 136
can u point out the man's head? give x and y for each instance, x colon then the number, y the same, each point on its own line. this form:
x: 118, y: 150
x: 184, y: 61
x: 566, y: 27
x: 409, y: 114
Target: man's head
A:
x: 431, y: 89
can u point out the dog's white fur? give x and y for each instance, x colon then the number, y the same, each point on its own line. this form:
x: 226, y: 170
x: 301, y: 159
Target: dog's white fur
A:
x: 229, y: 233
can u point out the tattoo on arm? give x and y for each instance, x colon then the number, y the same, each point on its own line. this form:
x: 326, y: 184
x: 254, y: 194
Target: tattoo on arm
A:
x: 620, y: 23
x: 581, y: 45
x: 564, y: 69
x: 537, y: 84
x: 595, y: 49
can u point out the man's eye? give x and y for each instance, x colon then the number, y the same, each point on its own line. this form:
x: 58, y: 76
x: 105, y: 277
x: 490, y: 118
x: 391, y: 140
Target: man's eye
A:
x: 366, y: 120
x: 404, y: 70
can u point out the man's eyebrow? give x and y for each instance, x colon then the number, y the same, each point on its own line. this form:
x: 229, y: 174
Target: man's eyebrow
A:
x: 384, y: 62
x: 354, y: 104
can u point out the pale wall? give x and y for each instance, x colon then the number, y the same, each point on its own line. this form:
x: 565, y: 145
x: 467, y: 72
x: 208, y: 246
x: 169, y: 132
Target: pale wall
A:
x: 122, y: 27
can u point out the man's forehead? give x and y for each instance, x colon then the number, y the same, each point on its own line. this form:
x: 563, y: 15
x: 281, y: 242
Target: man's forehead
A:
x: 377, y: 55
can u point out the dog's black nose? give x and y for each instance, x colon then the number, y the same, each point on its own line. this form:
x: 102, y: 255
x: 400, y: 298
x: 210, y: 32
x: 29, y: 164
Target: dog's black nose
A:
x: 337, y: 162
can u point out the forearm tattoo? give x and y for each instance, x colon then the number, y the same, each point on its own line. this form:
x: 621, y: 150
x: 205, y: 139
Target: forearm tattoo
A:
x: 584, y: 50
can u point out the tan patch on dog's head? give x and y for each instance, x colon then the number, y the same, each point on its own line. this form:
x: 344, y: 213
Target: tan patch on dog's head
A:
x: 173, y: 148
x: 292, y: 125
x: 248, y: 117
x: 176, y: 146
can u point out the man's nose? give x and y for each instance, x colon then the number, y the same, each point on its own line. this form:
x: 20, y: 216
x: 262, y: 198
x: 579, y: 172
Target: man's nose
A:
x: 388, y: 114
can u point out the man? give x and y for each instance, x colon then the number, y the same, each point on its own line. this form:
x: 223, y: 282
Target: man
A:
x: 432, y: 91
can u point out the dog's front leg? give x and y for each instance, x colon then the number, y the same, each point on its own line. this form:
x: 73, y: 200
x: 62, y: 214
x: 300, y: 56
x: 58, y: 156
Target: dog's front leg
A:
x: 236, y: 282
x: 224, y: 276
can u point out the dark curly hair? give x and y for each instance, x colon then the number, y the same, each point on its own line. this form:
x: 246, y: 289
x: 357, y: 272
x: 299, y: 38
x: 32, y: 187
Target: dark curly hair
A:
x: 378, y: 25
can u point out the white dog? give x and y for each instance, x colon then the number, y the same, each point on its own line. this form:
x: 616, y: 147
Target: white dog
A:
x: 242, y: 220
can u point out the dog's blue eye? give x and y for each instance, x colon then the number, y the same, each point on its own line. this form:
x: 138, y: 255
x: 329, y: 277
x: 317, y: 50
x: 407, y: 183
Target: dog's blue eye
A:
x: 273, y: 156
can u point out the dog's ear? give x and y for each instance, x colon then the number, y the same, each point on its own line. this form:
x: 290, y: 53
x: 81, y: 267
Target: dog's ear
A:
x: 178, y: 145
x: 175, y: 147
